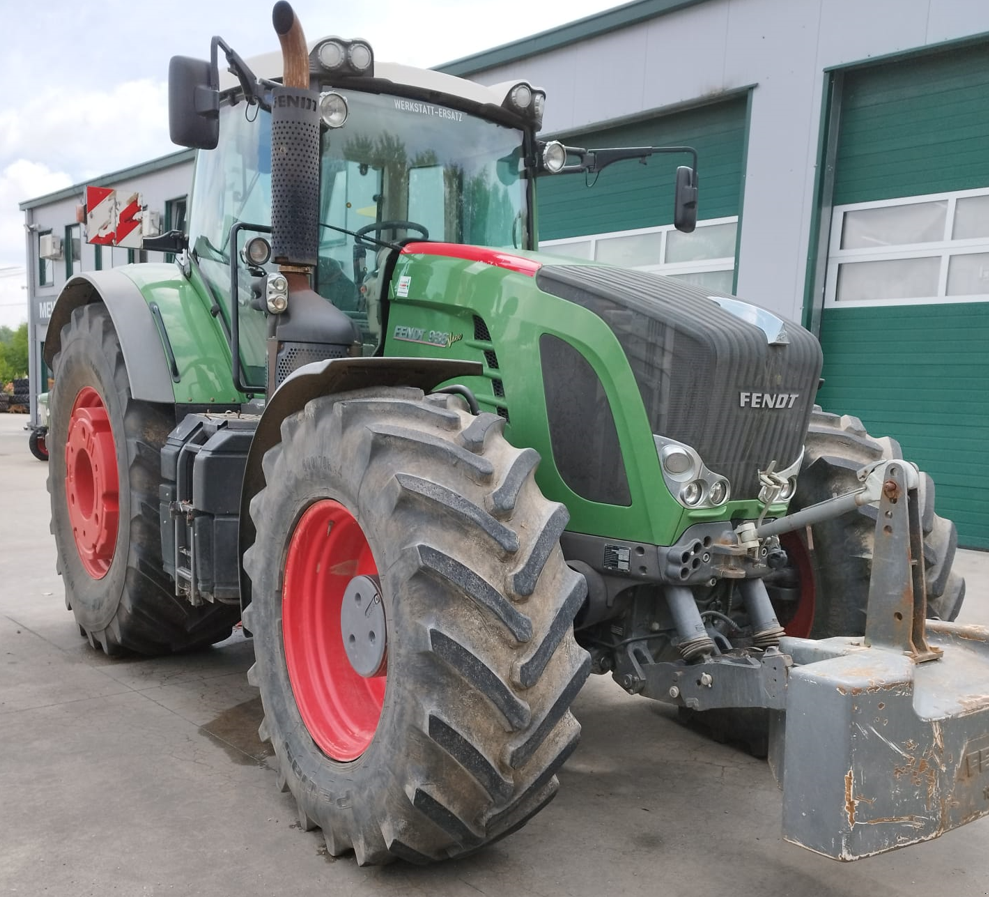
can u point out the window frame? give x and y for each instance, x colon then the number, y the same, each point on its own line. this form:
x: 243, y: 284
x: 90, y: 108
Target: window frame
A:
x: 45, y: 266
x: 171, y: 205
x: 943, y: 250
x: 67, y: 249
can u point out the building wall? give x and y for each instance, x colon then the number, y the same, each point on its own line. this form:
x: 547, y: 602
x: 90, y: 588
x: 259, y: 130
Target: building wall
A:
x: 694, y: 54
x: 157, y: 182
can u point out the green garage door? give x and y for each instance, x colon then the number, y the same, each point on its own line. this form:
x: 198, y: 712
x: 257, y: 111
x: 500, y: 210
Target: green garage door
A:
x: 625, y: 216
x: 905, y: 324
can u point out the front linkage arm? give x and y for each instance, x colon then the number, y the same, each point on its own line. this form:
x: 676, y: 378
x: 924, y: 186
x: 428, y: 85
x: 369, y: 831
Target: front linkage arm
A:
x: 878, y: 741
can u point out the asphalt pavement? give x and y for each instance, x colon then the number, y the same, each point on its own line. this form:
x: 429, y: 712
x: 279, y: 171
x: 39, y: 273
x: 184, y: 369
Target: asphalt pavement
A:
x: 146, y: 777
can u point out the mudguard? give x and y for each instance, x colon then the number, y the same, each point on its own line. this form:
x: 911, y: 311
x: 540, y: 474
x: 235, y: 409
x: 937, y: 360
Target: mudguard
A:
x: 174, y: 346
x: 144, y: 354
x: 325, y: 378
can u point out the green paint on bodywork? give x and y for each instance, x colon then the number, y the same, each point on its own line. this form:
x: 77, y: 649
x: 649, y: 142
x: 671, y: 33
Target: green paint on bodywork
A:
x: 445, y: 294
x: 201, y: 351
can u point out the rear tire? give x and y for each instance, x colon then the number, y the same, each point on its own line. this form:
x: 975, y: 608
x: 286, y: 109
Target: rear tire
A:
x: 835, y: 566
x: 481, y: 660
x: 116, y: 588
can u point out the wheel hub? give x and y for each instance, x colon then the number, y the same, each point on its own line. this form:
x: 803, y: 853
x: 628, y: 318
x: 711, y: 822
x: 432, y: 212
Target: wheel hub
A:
x: 362, y: 621
x: 338, y: 686
x: 91, y: 482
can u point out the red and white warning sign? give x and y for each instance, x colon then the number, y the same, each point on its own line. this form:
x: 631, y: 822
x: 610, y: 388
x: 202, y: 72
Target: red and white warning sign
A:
x: 112, y: 218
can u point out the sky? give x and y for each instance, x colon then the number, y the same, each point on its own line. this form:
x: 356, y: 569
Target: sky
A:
x: 87, y: 92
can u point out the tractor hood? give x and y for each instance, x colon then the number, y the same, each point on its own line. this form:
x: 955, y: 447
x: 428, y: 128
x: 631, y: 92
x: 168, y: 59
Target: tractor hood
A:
x: 731, y: 380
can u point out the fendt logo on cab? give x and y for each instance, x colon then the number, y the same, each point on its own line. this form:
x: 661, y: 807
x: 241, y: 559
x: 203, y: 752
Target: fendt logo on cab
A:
x: 307, y: 104
x: 767, y: 399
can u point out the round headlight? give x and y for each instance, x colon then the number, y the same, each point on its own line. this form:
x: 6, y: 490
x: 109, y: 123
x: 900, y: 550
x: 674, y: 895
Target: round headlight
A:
x: 719, y: 492
x: 257, y: 251
x: 787, y: 493
x: 333, y: 110
x: 539, y: 104
x: 554, y: 156
x: 521, y: 96
x: 331, y: 55
x: 360, y: 57
x: 676, y: 460
x: 692, y: 493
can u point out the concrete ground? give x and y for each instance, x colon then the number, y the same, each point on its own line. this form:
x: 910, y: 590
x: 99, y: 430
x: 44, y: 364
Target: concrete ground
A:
x: 147, y: 777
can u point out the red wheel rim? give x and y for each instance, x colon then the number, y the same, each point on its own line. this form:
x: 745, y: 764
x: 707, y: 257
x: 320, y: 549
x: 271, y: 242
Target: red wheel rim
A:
x: 91, y: 482
x: 340, y: 707
x: 799, y: 625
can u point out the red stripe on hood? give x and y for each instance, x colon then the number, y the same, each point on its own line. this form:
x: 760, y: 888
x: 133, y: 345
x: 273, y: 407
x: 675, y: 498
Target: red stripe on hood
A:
x: 475, y: 254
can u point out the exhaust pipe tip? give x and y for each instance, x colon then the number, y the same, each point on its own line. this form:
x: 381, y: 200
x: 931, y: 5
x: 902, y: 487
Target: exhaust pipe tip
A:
x: 282, y: 17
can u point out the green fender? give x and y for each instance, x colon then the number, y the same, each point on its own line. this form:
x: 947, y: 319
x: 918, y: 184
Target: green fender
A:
x: 174, y: 348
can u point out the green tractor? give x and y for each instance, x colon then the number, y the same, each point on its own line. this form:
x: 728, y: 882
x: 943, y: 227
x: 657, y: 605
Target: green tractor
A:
x: 442, y: 478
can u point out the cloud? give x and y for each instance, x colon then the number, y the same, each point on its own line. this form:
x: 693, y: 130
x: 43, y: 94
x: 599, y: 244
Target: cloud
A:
x: 13, y: 297
x: 52, y: 142
x: 113, y: 112
x: 20, y: 180
x: 89, y: 129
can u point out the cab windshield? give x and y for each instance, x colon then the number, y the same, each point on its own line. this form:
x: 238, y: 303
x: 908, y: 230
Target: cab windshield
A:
x: 398, y: 169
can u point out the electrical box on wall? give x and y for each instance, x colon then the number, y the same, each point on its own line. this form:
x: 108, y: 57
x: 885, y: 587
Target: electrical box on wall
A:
x: 150, y: 223
x: 50, y: 246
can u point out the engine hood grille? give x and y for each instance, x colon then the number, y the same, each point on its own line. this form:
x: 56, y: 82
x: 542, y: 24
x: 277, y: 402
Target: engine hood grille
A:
x: 707, y: 377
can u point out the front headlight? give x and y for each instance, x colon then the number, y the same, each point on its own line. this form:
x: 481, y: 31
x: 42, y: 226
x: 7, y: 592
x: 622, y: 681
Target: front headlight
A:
x: 688, y: 478
x: 719, y: 492
x: 692, y: 493
x: 788, y: 489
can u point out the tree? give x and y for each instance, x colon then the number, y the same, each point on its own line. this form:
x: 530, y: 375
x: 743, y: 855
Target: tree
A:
x: 13, y: 353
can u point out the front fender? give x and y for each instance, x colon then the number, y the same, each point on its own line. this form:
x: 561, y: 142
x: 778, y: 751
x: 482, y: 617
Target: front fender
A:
x: 325, y: 378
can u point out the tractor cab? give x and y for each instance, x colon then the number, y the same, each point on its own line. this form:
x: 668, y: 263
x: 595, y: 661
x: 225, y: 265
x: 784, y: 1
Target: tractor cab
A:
x: 404, y: 154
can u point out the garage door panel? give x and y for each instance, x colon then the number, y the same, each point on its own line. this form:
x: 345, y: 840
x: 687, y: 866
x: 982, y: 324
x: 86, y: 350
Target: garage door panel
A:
x: 627, y: 195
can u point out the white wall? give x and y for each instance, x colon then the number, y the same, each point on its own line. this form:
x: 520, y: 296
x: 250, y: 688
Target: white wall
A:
x: 782, y: 47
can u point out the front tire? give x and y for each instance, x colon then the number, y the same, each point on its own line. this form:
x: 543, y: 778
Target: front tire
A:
x: 457, y: 739
x: 824, y: 591
x: 103, y: 476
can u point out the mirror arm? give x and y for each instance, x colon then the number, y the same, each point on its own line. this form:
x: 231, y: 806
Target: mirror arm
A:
x: 252, y: 87
x: 596, y: 160
x: 171, y: 241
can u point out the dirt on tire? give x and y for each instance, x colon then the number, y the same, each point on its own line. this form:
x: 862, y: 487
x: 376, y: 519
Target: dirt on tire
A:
x: 482, y: 665
x: 133, y: 607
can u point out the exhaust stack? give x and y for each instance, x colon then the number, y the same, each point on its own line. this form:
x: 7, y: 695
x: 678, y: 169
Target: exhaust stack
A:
x: 306, y: 328
x: 294, y: 152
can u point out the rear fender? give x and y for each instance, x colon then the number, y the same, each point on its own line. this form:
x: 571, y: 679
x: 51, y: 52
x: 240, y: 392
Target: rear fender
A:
x: 326, y: 378
x: 148, y: 368
x: 174, y: 347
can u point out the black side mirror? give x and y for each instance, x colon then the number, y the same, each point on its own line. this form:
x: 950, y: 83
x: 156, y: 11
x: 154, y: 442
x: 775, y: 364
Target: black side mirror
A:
x: 685, y: 200
x: 193, y: 103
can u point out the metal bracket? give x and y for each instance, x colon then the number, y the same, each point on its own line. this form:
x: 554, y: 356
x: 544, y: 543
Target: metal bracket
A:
x: 873, y: 478
x: 728, y: 680
x: 897, y: 610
